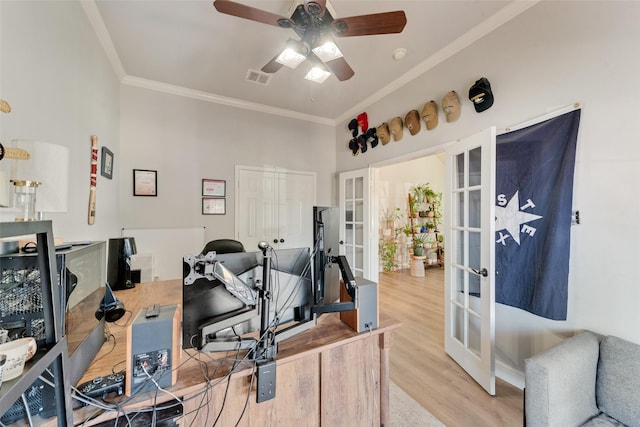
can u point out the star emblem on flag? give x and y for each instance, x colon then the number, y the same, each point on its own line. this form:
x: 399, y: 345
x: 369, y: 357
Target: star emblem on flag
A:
x: 511, y: 217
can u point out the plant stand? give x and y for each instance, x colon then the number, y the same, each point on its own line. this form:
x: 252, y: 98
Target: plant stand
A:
x: 417, y: 266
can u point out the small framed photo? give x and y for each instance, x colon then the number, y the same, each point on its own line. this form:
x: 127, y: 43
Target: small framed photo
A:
x: 145, y: 182
x: 214, y: 188
x: 214, y: 206
x: 106, y: 168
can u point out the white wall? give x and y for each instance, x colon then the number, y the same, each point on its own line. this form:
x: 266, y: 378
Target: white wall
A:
x: 187, y: 140
x: 62, y: 89
x: 395, y: 181
x: 553, y: 55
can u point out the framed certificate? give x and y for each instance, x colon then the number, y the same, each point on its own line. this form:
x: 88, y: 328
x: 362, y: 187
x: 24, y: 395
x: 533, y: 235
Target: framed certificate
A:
x: 145, y: 182
x: 213, y: 188
x: 214, y: 206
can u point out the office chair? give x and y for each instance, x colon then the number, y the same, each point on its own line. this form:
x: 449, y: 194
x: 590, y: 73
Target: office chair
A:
x: 223, y: 246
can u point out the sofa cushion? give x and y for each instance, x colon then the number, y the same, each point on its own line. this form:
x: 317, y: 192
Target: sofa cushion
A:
x: 560, y: 383
x: 603, y: 420
x: 618, y: 381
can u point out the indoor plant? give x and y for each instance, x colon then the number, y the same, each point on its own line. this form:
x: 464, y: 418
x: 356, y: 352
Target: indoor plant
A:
x: 388, y: 251
x: 418, y: 242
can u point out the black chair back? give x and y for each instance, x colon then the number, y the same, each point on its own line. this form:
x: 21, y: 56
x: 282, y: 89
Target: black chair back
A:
x: 223, y: 246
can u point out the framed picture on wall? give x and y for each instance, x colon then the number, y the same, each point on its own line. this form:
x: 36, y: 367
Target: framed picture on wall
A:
x: 214, y: 206
x: 106, y: 168
x: 145, y: 182
x: 214, y: 188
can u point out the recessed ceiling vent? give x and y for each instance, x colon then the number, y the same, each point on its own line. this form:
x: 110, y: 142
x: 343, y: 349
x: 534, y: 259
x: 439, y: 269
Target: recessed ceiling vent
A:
x: 258, y: 77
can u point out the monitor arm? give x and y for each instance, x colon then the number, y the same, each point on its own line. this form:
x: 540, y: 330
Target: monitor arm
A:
x: 350, y: 285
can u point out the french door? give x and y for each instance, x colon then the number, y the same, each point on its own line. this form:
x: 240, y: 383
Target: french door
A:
x: 469, y: 264
x: 357, y: 220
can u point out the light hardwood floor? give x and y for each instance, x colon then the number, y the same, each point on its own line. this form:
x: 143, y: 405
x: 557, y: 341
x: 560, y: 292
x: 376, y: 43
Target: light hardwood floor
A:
x: 420, y: 366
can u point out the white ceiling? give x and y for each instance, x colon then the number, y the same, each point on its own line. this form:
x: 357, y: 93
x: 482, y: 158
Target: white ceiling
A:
x: 187, y: 47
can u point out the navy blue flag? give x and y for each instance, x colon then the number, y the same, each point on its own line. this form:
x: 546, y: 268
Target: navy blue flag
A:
x: 534, y: 191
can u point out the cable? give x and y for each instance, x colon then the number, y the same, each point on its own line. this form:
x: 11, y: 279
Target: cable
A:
x: 26, y: 409
x: 127, y: 320
x: 246, y: 402
x: 144, y: 368
x: 112, y: 347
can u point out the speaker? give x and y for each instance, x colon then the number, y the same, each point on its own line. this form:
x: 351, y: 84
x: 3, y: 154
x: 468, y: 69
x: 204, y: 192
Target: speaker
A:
x: 153, y: 348
x: 365, y: 317
x: 111, y: 308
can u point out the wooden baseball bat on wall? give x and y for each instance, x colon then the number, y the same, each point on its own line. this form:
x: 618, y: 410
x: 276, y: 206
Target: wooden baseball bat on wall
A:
x: 92, y: 188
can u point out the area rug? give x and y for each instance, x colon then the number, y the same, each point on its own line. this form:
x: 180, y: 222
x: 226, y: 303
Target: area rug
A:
x: 406, y: 412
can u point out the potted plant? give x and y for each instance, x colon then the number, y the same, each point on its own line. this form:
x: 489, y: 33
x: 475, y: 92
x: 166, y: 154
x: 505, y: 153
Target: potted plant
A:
x: 418, y: 242
x: 388, y: 250
x: 389, y: 217
x: 406, y: 229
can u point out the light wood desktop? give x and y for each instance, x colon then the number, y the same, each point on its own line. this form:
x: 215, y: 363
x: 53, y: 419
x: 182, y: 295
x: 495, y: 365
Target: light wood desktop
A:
x: 327, y: 376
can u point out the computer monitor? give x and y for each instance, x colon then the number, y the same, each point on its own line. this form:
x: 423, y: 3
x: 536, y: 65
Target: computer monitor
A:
x: 207, y: 301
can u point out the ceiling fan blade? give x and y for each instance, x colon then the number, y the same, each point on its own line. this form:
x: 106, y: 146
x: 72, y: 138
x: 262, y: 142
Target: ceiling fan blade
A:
x: 340, y: 68
x: 272, y: 66
x: 251, y: 13
x: 365, y: 25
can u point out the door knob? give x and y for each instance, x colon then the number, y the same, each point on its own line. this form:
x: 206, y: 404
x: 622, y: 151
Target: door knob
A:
x: 275, y: 240
x: 483, y: 272
x: 281, y: 240
x: 341, y: 242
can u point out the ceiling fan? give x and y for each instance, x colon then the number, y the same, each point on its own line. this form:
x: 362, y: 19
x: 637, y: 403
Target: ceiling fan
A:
x: 315, y: 23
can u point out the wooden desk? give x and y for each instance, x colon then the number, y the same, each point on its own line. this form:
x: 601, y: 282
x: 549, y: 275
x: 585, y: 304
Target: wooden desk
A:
x: 327, y: 376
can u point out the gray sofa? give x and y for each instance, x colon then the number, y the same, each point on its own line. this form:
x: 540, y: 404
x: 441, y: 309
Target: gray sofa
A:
x: 586, y: 380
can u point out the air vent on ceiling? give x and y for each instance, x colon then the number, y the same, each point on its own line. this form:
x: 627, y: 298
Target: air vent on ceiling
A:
x: 258, y: 77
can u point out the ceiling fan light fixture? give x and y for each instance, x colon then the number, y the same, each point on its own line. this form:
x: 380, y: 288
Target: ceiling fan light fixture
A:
x: 327, y: 51
x: 290, y: 58
x: 317, y: 74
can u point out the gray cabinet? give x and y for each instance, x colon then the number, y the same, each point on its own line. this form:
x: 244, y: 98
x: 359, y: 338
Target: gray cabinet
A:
x: 46, y: 372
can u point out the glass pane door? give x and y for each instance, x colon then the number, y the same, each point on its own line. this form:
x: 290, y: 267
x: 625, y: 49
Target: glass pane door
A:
x: 469, y: 281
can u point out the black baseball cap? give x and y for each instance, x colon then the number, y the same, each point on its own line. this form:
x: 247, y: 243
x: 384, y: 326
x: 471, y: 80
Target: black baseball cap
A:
x: 481, y: 95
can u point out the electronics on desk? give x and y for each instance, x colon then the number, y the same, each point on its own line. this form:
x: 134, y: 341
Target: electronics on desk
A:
x: 81, y: 274
x: 365, y: 317
x: 100, y: 387
x: 153, y: 349
x: 121, y: 250
x: 216, y: 309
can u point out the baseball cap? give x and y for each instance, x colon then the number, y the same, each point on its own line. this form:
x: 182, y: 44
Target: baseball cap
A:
x: 430, y: 114
x: 396, y: 128
x: 481, y: 95
x: 451, y: 106
x: 383, y: 133
x: 412, y: 121
x: 363, y: 121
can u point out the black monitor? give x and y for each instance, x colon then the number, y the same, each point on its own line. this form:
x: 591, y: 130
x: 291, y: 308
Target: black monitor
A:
x: 207, y: 300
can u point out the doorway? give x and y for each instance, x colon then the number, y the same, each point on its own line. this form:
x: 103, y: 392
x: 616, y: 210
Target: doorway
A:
x: 392, y: 185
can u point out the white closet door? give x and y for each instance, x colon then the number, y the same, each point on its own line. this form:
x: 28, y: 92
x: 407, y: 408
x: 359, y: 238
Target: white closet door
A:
x: 296, y: 195
x: 276, y: 207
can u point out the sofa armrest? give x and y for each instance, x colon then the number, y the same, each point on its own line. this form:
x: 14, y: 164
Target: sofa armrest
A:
x: 561, y: 383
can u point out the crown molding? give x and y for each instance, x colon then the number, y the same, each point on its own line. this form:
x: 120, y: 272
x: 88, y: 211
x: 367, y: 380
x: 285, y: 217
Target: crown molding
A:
x: 95, y: 19
x: 503, y: 16
x: 93, y: 14
x: 223, y: 100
